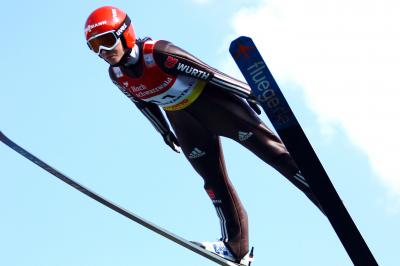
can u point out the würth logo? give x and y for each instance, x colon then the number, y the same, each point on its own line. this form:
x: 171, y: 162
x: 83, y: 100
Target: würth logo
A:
x: 193, y: 71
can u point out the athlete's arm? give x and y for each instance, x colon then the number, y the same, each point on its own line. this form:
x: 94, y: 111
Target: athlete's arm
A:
x: 155, y: 116
x: 175, y: 60
x: 153, y: 113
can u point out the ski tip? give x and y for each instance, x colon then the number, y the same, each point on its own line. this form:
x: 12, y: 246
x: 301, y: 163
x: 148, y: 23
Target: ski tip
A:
x: 242, y: 47
x: 240, y: 40
x: 2, y: 136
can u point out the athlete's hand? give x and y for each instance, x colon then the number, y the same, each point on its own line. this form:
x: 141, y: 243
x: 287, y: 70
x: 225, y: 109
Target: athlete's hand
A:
x: 172, y: 141
x: 253, y: 104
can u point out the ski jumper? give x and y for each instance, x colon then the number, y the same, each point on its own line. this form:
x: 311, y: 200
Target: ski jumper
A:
x: 202, y: 104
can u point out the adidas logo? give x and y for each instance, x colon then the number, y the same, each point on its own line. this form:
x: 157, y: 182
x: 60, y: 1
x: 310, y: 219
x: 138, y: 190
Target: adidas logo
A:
x: 196, y: 153
x: 245, y: 135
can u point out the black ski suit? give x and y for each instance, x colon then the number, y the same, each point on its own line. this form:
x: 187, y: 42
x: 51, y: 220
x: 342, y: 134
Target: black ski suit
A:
x: 208, y: 105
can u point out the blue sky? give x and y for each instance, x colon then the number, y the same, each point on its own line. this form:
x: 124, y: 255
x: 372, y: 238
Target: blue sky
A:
x: 336, y: 66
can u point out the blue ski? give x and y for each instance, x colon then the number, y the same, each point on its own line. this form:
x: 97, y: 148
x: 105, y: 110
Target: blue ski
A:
x: 271, y: 99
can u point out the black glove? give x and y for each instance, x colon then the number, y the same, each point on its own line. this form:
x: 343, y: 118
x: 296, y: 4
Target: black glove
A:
x: 253, y: 104
x: 172, y: 141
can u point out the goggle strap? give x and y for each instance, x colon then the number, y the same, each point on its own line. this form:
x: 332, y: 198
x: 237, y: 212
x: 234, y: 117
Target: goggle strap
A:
x: 124, y: 26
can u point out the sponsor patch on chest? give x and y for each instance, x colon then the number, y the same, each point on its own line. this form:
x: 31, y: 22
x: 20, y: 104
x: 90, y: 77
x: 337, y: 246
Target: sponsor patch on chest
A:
x: 192, y: 71
x: 118, y: 72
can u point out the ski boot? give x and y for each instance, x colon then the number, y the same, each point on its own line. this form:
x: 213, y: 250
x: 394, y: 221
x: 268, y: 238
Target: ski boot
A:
x: 219, y: 248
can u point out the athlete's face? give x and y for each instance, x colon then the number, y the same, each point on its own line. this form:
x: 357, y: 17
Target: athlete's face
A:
x: 113, y: 56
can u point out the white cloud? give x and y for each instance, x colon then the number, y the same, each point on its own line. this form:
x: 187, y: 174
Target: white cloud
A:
x: 390, y: 203
x: 345, y: 55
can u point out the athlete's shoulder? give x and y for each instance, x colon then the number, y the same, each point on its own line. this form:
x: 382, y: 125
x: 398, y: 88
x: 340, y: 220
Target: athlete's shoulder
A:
x: 158, y: 47
x: 168, y: 48
x: 174, y: 60
x: 163, y: 48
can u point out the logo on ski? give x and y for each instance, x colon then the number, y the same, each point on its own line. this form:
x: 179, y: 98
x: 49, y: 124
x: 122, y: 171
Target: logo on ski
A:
x: 270, y: 97
x: 262, y: 83
x: 243, y: 50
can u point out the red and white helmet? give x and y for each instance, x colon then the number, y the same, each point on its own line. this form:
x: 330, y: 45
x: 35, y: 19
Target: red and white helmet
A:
x: 105, y: 26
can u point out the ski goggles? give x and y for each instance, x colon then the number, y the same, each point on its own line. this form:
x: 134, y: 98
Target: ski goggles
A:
x: 108, y: 40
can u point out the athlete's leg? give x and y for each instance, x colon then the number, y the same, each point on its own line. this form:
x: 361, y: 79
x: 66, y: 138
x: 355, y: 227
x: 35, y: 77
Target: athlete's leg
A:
x: 229, y: 116
x: 203, y: 150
